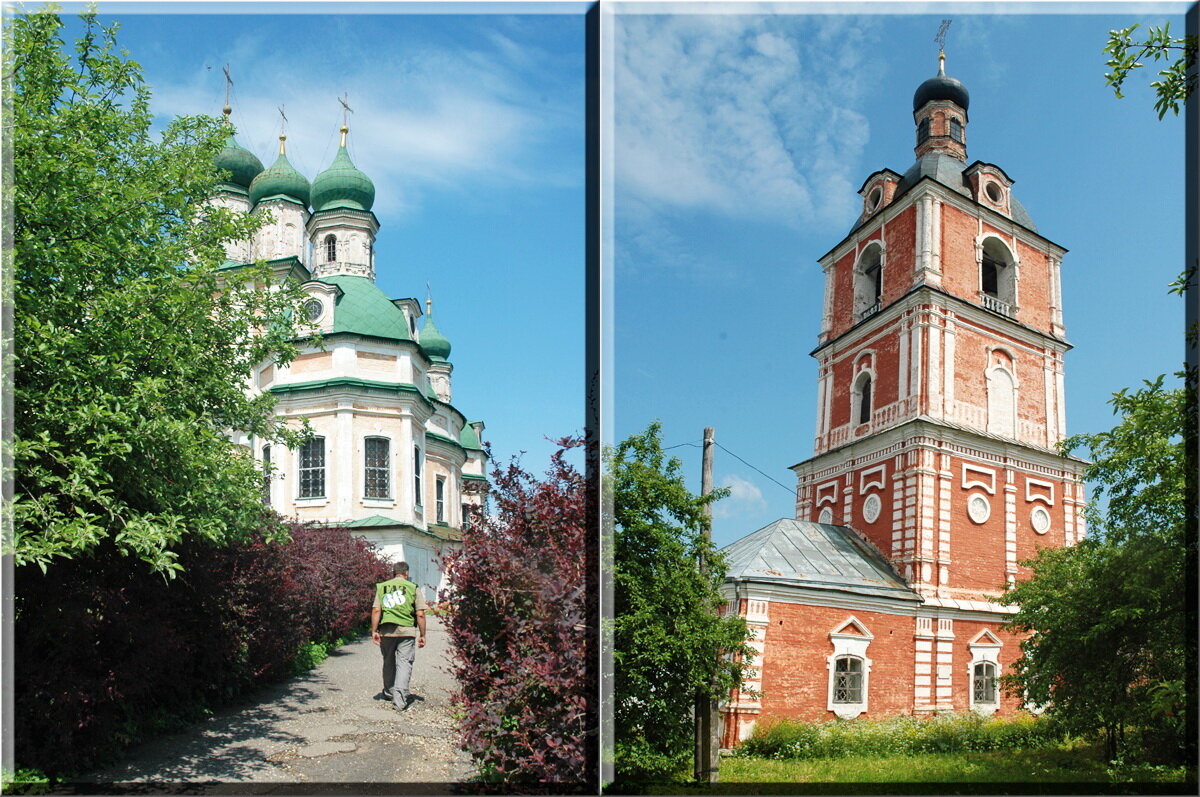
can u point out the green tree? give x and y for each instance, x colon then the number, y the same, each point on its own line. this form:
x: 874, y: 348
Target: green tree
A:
x: 1176, y: 82
x: 669, y: 639
x: 130, y: 355
x: 1109, y: 621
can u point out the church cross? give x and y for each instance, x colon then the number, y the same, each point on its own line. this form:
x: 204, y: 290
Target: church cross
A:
x: 940, y: 38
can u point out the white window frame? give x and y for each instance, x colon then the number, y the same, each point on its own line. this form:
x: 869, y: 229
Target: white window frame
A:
x: 323, y: 468
x: 854, y: 646
x: 387, y: 468
x: 985, y: 649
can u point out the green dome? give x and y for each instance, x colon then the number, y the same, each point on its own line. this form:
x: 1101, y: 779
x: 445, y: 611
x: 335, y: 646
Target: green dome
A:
x: 243, y: 166
x: 342, y: 186
x: 434, y: 343
x: 281, y: 178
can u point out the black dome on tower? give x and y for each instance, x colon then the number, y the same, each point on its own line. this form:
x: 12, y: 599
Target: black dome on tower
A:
x: 941, y: 88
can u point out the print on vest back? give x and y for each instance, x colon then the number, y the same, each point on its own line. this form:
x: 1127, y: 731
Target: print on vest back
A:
x: 396, y: 599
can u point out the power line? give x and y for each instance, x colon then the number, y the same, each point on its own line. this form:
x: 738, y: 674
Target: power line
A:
x: 748, y: 465
x: 739, y: 459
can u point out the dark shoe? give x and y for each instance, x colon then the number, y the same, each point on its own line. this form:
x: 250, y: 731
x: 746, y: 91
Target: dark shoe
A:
x: 383, y: 696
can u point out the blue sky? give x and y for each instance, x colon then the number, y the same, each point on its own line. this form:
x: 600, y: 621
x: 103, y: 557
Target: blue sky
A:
x: 472, y: 129
x: 739, y: 141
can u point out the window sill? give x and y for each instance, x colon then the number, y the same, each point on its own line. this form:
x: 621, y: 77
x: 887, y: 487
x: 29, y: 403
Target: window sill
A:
x: 848, y: 711
x: 383, y: 503
x: 303, y: 502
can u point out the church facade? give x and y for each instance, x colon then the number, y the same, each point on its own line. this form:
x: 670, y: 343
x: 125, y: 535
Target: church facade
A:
x: 935, y: 468
x: 391, y: 457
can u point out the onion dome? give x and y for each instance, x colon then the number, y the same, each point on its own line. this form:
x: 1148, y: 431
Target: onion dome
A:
x: 280, y: 178
x: 941, y: 87
x: 342, y: 185
x: 242, y: 164
x: 433, y: 343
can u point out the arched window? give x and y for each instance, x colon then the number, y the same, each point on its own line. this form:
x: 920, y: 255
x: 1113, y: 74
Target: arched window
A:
x: 868, y: 282
x: 997, y: 277
x: 377, y: 481
x: 330, y: 248
x: 956, y: 130
x: 861, y: 397
x: 312, y: 468
x: 848, y: 680
x: 923, y: 130
x: 983, y: 684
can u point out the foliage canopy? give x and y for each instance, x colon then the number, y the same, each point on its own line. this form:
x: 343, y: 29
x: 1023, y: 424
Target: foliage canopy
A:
x: 670, y: 640
x: 130, y: 353
x: 1109, y: 621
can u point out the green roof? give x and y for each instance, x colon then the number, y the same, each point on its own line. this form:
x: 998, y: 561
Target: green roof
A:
x: 243, y: 166
x: 469, y: 439
x: 280, y: 178
x: 342, y: 186
x: 435, y: 344
x: 364, y: 309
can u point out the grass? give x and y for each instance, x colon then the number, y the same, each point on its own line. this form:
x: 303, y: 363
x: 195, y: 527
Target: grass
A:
x: 1069, y: 763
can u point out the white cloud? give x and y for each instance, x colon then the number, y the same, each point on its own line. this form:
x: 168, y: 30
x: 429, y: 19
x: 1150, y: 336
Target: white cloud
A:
x: 429, y: 118
x: 744, y: 498
x: 746, y: 116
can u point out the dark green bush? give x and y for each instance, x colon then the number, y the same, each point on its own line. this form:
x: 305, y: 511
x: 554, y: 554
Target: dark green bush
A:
x: 108, y: 653
x: 899, y: 736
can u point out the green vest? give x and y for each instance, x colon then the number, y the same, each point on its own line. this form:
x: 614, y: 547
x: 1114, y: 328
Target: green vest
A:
x: 397, y: 599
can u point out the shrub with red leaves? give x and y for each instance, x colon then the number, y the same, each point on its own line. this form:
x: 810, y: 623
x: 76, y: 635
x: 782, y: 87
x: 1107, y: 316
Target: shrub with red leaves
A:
x: 523, y: 630
x: 104, y: 648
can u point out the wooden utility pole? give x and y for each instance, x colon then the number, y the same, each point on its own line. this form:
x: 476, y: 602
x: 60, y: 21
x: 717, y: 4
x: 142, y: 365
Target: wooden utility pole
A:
x: 707, y: 721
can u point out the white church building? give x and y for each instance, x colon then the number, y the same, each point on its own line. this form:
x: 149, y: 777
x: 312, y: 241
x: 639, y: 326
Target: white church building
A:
x: 391, y: 458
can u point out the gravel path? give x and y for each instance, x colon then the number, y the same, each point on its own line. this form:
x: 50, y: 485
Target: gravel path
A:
x: 319, y: 733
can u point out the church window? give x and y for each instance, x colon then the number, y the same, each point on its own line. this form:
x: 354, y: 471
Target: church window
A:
x: 418, y: 459
x: 376, y: 468
x: 848, y: 680
x: 868, y: 282
x: 984, y: 671
x: 849, y: 669
x: 440, y: 500
x: 997, y: 277
x: 266, y: 461
x: 923, y: 130
x: 983, y: 684
x: 330, y: 248
x: 312, y: 468
x: 861, y: 399
x: 956, y: 130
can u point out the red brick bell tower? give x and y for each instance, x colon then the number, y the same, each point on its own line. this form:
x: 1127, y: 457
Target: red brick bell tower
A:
x: 939, y: 406
x: 940, y: 388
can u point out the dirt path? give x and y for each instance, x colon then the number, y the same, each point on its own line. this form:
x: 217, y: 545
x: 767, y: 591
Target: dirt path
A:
x: 323, y: 729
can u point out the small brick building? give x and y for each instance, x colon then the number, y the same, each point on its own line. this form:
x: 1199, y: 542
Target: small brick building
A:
x: 940, y: 402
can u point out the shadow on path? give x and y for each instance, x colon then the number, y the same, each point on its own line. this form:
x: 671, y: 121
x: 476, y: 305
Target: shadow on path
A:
x: 323, y: 729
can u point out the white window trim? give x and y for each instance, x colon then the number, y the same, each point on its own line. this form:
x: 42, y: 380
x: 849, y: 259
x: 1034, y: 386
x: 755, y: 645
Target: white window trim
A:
x: 984, y: 648
x: 849, y: 645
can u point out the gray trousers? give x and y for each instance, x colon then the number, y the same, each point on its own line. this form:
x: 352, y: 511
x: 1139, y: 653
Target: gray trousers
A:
x: 398, y: 654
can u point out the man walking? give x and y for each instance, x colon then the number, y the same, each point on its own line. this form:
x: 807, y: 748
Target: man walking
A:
x: 398, y: 627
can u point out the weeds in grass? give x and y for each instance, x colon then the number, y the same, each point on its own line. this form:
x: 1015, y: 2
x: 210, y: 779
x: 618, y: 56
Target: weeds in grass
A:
x: 899, y: 736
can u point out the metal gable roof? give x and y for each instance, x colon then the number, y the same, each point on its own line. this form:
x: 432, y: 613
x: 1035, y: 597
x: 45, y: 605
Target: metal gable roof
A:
x: 817, y: 556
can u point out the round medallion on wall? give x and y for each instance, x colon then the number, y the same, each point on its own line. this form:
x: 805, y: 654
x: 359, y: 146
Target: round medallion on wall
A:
x: 313, y: 309
x: 871, y: 508
x: 1039, y: 518
x: 826, y: 516
x: 979, y: 508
